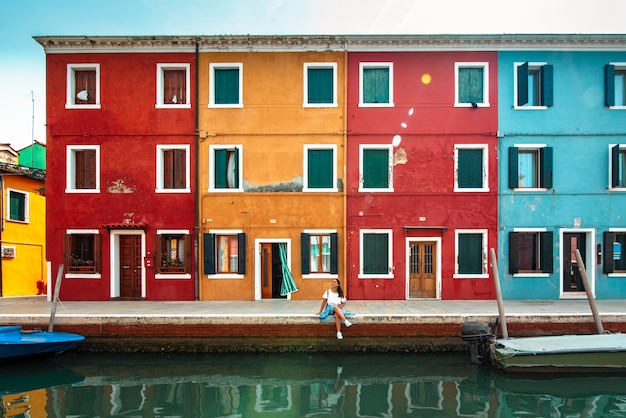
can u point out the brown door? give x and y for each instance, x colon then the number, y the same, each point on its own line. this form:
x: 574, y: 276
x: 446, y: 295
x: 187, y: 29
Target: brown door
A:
x: 572, y: 281
x: 130, y: 266
x: 422, y: 270
x: 266, y: 271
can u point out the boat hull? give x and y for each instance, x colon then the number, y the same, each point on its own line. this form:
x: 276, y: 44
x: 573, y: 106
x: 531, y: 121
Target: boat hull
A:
x: 15, y: 343
x: 571, y: 353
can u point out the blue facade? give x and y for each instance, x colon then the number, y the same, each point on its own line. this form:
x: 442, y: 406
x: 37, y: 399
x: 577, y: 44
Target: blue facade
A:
x: 555, y: 167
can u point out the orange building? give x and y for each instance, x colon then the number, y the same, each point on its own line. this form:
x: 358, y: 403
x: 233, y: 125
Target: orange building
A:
x: 271, y: 125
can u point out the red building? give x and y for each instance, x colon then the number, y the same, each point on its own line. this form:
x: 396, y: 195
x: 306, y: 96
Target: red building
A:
x: 120, y: 158
x: 421, y: 172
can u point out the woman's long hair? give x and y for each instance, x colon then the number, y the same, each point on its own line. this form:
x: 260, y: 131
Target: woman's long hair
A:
x: 339, y: 289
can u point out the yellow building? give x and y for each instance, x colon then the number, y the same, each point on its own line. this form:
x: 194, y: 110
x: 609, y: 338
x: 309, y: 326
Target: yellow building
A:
x: 271, y: 132
x: 23, y: 235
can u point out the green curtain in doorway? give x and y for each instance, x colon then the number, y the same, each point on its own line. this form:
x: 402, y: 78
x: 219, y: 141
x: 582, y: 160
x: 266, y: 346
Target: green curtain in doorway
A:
x: 288, y: 285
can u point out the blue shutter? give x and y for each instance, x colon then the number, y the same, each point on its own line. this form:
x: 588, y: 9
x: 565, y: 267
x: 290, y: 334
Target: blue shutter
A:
x: 547, y: 95
x: 241, y: 253
x: 209, y: 253
x: 304, y: 253
x: 513, y: 168
x: 522, y: 84
x: 546, y: 167
x: 609, y: 84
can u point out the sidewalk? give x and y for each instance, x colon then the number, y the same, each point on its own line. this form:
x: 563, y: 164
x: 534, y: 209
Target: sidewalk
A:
x: 426, y: 320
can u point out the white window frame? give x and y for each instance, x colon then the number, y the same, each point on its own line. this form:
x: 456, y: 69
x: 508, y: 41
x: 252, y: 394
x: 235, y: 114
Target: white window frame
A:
x: 619, y: 231
x: 84, y: 275
x: 212, y: 149
x: 70, y: 169
x: 366, y: 65
x: 305, y: 93
x: 485, y: 254
x: 536, y: 148
x: 70, y: 101
x: 610, y: 171
x: 224, y: 65
x: 157, y: 256
x: 218, y: 275
x: 485, y: 182
x: 305, y: 167
x: 160, y: 100
x: 322, y: 275
x: 390, y: 274
x: 485, y: 67
x: 159, y: 168
x: 621, y: 66
x: 389, y: 148
x: 531, y: 65
x: 26, y: 205
x: 534, y: 231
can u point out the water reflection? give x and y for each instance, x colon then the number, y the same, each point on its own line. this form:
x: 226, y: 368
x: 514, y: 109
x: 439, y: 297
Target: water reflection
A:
x: 302, y: 385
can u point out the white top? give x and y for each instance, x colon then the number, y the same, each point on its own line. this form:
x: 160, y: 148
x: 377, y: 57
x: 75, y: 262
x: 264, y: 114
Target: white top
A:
x: 333, y: 298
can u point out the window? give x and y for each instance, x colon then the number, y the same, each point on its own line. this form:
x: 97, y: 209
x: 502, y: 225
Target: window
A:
x: 376, y: 169
x: 471, y: 254
x: 376, y: 254
x: 173, y: 250
x: 471, y: 168
x: 320, y: 168
x: 320, y: 84
x: 530, y: 251
x: 18, y: 206
x: 534, y: 85
x: 319, y: 252
x: 83, y: 169
x: 615, y: 85
x: 225, y: 172
x: 172, y: 168
x: 614, y: 247
x: 530, y: 167
x: 376, y: 84
x: 226, y: 85
x: 82, y: 252
x: 83, y: 86
x: 173, y: 86
x: 471, y: 84
x: 225, y: 253
x: 617, y: 165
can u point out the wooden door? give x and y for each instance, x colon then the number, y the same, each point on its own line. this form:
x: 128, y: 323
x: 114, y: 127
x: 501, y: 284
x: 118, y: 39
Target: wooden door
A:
x: 422, y: 269
x: 130, y: 266
x: 572, y: 281
x: 266, y: 271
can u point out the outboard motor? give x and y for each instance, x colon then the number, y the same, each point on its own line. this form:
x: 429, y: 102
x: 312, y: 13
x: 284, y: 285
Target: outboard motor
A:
x: 479, y: 337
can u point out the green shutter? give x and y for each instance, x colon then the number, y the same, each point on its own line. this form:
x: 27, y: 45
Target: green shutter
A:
x: 304, y: 253
x: 376, y: 85
x: 226, y: 85
x: 375, y: 254
x: 17, y: 206
x: 334, y: 253
x: 609, y: 84
x: 471, y: 85
x: 513, y: 167
x: 609, y: 263
x: 320, y: 85
x: 209, y: 253
x: 546, y: 167
x: 221, y: 164
x: 547, y: 96
x: 470, y: 253
x: 513, y: 252
x: 522, y: 84
x: 241, y: 253
x: 320, y: 169
x: 375, y: 168
x: 547, y: 256
x: 470, y: 165
x: 615, y: 166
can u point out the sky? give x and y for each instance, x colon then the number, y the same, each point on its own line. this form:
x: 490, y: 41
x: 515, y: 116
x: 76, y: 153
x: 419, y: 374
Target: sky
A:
x: 22, y: 59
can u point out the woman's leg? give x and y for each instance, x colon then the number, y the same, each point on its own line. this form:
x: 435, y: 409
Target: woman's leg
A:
x: 337, y: 318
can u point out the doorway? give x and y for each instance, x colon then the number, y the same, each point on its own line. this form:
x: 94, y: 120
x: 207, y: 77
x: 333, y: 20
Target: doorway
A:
x: 130, y: 269
x: 572, y: 280
x: 423, y: 271
x: 269, y: 268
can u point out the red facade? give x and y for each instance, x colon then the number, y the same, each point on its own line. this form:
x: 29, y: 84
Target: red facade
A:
x: 421, y: 220
x: 120, y: 155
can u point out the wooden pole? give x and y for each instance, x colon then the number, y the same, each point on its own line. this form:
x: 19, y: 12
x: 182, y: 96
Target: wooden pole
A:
x: 57, y: 289
x: 496, y: 280
x: 590, y: 298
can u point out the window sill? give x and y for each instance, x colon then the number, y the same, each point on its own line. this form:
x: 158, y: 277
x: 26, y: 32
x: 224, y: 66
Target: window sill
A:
x: 530, y: 107
x: 320, y: 276
x: 531, y: 275
x: 530, y: 189
x: 172, y: 276
x: 82, y: 191
x: 83, y: 276
x: 225, y: 276
x: 365, y: 190
x: 225, y: 106
x: 470, y: 276
x: 88, y: 107
x: 377, y: 105
x: 471, y: 190
x: 173, y: 106
x: 331, y: 190
x: 617, y: 275
x: 172, y: 190
x: 319, y: 105
x: 375, y: 276
x: 617, y: 107
x: 215, y: 190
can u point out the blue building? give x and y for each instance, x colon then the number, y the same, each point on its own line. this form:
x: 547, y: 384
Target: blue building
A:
x: 562, y: 156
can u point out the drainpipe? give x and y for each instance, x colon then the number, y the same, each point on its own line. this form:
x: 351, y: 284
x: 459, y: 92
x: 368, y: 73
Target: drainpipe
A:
x: 197, y: 194
x: 1, y: 223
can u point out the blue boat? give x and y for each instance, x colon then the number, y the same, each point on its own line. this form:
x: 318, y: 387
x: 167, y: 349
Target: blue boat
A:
x: 16, y: 343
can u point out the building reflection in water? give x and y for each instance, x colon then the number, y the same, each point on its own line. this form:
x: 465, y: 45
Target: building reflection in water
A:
x: 304, y: 385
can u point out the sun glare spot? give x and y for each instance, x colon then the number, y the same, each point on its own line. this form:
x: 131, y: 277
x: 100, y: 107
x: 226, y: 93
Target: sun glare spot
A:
x: 396, y: 140
x: 426, y: 78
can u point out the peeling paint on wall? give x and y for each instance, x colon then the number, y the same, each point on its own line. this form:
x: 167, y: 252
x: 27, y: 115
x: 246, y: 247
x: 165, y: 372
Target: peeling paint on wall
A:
x: 295, y: 185
x: 119, y: 186
x: 399, y: 157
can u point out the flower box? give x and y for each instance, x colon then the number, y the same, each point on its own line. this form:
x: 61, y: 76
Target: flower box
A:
x: 82, y: 269
x: 172, y: 269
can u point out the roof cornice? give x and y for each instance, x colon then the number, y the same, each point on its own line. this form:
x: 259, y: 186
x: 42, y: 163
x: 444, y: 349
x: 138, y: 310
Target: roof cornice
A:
x: 350, y: 43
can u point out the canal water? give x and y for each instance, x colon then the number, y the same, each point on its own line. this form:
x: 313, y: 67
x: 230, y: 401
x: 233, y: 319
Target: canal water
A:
x: 295, y: 385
